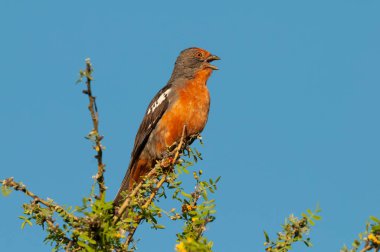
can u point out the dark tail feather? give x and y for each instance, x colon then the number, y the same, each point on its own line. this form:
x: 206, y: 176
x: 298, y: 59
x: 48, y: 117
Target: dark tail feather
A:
x: 133, y: 176
x: 123, y: 187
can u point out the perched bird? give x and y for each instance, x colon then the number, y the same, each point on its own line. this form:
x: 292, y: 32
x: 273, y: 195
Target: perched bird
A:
x: 185, y: 100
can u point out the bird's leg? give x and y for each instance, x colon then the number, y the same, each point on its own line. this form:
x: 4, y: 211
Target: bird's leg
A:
x: 171, y: 151
x: 167, y: 156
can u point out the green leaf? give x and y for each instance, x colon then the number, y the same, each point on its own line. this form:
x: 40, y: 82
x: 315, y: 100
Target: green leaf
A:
x: 186, y: 195
x: 158, y: 226
x: 308, y: 243
x: 375, y: 228
x: 217, y: 179
x: 373, y: 218
x: 26, y: 222
x: 5, y: 190
x: 356, y: 243
x: 204, y: 194
x: 86, y: 238
x: 213, y: 211
x: 266, y: 237
x: 87, y: 247
x: 179, y: 169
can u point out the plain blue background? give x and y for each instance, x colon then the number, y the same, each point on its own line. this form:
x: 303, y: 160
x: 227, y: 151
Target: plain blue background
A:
x: 294, y: 118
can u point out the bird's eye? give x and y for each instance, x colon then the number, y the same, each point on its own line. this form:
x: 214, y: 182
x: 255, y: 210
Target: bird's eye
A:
x: 199, y: 55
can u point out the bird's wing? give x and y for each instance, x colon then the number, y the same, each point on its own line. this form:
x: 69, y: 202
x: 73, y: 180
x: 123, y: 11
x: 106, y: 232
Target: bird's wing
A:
x: 155, y: 111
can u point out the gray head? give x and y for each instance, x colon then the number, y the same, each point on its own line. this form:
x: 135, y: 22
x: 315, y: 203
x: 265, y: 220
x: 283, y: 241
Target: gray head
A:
x: 192, y: 60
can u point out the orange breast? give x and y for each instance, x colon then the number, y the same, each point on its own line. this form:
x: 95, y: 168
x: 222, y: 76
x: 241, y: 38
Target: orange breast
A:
x: 190, y: 109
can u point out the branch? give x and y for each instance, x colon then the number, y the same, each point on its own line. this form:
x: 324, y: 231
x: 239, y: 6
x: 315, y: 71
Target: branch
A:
x: 366, y: 248
x: 56, y: 229
x: 9, y: 182
x: 146, y: 205
x: 95, y: 132
x: 196, y: 195
x: 125, y: 205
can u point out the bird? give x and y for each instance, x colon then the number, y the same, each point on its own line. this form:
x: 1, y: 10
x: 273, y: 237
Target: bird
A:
x: 183, y: 103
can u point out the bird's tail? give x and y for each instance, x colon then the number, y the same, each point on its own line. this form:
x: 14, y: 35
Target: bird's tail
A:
x: 123, y: 187
x: 133, y: 176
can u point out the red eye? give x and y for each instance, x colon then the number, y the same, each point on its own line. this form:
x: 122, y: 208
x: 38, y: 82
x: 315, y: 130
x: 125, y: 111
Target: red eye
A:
x: 199, y: 55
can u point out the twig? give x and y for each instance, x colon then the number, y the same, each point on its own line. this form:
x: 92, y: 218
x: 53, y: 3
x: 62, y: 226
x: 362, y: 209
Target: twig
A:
x: 196, y: 196
x: 95, y: 121
x: 126, y: 202
x: 56, y: 229
x: 146, y: 205
x: 9, y: 182
x: 366, y: 248
x: 158, y: 186
x: 68, y: 247
x: 154, y: 192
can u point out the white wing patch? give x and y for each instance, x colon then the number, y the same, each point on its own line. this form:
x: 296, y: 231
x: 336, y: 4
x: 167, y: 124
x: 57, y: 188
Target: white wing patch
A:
x: 157, y: 103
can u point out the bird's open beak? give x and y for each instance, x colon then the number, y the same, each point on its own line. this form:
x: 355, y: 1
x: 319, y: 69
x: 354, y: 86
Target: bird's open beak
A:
x: 210, y: 59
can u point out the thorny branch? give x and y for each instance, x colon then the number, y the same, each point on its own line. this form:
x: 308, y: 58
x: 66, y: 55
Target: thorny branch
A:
x: 56, y: 229
x: 9, y: 182
x: 195, y: 196
x: 367, y: 248
x: 126, y: 202
x: 95, y: 132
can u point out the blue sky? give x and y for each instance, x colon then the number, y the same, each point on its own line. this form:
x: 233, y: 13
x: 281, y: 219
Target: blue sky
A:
x: 293, y: 121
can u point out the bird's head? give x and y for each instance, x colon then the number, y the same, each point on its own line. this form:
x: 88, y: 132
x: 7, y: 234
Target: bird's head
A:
x: 194, y: 60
